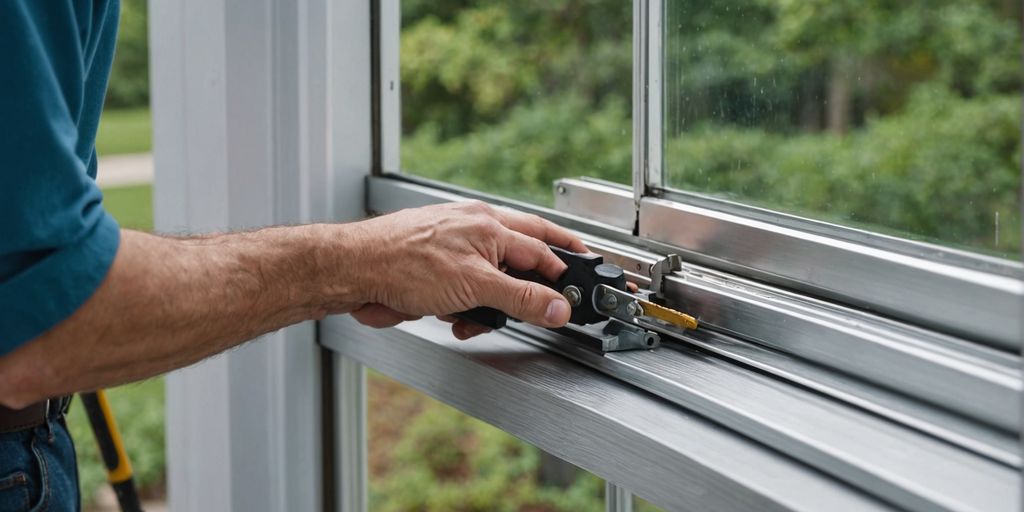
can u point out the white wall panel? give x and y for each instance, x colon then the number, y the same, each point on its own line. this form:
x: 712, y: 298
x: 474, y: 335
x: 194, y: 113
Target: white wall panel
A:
x: 242, y: 128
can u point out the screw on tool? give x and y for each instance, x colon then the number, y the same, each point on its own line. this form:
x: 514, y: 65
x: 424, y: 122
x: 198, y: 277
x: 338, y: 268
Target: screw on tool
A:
x: 573, y: 294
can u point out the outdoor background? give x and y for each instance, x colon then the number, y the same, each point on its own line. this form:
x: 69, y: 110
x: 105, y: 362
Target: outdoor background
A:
x: 901, y: 117
x: 896, y: 116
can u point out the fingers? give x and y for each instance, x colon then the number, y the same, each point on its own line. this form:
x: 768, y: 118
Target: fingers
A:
x: 540, y: 229
x: 523, y: 252
x: 463, y: 329
x: 525, y: 300
x: 379, y: 316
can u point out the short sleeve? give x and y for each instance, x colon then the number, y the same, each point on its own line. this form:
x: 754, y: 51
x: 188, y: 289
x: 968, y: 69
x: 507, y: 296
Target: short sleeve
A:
x: 57, y: 243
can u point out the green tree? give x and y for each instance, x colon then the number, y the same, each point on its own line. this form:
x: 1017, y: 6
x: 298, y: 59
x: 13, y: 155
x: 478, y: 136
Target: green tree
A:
x: 129, y: 76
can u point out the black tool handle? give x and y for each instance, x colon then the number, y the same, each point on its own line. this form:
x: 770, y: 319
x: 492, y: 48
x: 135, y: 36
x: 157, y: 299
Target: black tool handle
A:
x: 583, y: 271
x: 495, y: 318
x: 487, y: 317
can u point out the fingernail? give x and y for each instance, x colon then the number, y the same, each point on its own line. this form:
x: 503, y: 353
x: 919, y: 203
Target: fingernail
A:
x: 557, y: 310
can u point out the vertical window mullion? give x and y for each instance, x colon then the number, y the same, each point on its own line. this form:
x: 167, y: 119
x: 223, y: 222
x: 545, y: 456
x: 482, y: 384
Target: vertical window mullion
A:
x: 617, y: 499
x: 655, y: 95
x: 639, y: 112
x: 389, y: 86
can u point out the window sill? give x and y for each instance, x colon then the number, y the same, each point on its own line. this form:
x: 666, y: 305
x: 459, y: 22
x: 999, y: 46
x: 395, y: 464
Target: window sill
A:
x: 669, y: 456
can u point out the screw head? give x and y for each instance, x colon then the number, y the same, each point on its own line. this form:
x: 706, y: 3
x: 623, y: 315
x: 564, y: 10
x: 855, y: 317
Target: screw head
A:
x: 573, y: 294
x: 608, y: 301
x: 561, y: 190
x: 633, y: 309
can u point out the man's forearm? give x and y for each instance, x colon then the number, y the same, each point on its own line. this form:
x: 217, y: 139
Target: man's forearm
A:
x: 168, y: 302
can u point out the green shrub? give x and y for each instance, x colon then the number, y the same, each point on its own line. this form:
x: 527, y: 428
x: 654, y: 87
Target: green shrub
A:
x: 129, y: 76
x: 448, y: 461
x: 537, y: 144
x: 940, y: 170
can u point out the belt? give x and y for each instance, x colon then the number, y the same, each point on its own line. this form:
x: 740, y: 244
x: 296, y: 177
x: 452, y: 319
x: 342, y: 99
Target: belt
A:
x: 13, y: 420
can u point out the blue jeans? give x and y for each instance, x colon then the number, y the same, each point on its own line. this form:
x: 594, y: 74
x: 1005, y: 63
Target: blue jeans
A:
x: 38, y: 470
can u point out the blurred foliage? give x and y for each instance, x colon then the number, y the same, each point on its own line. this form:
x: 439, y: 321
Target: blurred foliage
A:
x: 124, y: 131
x: 131, y: 205
x: 467, y: 63
x: 507, y: 97
x: 543, y: 141
x: 901, y: 117
x: 942, y: 169
x: 129, y: 76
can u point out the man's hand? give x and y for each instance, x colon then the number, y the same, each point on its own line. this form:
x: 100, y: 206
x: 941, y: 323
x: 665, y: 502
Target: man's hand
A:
x: 444, y: 259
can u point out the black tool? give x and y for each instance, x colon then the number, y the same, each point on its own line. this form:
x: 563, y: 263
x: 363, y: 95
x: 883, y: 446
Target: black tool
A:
x: 597, y: 293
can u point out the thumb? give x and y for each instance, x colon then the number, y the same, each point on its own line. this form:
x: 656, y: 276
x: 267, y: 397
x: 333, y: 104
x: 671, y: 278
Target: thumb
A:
x: 528, y: 301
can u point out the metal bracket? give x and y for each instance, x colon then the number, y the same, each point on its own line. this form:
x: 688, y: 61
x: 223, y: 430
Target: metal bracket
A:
x: 661, y: 269
x: 615, y: 336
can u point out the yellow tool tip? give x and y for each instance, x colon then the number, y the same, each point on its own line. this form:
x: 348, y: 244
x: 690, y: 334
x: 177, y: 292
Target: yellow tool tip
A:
x: 669, y: 315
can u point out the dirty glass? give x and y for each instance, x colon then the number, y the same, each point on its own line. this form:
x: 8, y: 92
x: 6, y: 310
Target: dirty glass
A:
x: 506, y: 97
x: 897, y: 117
x: 425, y: 455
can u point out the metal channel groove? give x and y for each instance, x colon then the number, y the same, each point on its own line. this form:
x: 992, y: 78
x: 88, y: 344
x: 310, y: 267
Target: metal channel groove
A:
x: 671, y: 457
x: 901, y: 466
x: 982, y: 383
x: 973, y: 304
x: 941, y: 421
x: 981, y: 439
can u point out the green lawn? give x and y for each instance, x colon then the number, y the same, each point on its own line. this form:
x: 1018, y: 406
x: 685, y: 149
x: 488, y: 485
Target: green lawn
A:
x: 132, y: 206
x: 125, y: 131
x: 139, y: 407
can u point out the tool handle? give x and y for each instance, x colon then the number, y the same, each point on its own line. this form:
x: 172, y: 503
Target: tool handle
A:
x: 584, y: 271
x: 487, y: 317
x: 115, y: 458
x: 494, y: 318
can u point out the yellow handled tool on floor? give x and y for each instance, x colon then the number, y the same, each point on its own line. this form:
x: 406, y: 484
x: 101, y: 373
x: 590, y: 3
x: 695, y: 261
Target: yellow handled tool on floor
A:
x: 108, y: 438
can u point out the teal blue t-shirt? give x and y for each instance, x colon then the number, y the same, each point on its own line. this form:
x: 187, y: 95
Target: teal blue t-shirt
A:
x: 56, y: 241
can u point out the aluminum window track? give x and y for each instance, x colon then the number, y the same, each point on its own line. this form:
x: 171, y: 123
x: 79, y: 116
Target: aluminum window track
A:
x: 976, y: 381
x: 911, y: 414
x: 954, y: 374
x: 672, y: 457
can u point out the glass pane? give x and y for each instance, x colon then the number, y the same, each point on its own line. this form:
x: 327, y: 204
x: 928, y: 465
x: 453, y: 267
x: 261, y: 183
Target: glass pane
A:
x: 506, y: 97
x: 425, y: 455
x: 899, y: 117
